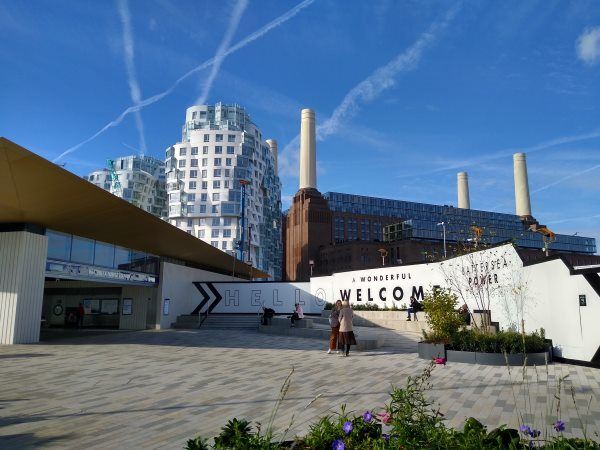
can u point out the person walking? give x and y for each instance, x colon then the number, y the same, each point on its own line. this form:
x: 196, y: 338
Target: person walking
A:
x: 346, y: 335
x: 334, y: 323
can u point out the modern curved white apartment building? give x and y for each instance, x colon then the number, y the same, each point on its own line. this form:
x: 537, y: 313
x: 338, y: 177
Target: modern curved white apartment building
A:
x: 220, y: 145
x: 142, y: 180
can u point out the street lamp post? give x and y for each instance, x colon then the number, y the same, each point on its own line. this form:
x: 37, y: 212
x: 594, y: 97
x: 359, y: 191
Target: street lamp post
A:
x: 443, y: 224
x: 311, y: 263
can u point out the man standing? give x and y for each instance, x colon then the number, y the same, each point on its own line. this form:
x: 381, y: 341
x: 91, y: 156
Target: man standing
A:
x: 80, y: 314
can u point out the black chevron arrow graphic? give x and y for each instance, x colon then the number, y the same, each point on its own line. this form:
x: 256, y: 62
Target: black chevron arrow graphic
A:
x: 218, y: 297
x: 205, y: 298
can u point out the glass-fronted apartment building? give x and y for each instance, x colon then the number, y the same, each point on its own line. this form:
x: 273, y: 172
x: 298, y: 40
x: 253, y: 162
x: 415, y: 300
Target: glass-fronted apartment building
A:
x: 142, y: 180
x: 420, y: 222
x: 220, y: 145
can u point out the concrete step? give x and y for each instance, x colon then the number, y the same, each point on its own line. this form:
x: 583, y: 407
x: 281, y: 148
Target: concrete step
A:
x: 219, y: 321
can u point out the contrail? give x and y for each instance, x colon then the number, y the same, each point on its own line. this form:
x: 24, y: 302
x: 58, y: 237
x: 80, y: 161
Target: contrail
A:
x: 128, y: 54
x: 568, y: 177
x: 236, y: 16
x: 150, y: 100
x: 371, y: 87
x: 509, y: 151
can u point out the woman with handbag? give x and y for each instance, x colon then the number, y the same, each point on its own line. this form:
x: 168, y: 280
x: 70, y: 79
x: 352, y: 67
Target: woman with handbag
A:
x: 346, y: 335
x: 334, y: 323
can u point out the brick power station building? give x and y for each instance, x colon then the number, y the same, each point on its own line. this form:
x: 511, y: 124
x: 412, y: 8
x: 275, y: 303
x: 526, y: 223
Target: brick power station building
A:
x: 336, y: 232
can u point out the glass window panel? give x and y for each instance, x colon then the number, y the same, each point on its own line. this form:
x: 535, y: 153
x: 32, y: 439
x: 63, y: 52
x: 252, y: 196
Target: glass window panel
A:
x: 122, y: 257
x: 82, y: 250
x: 59, y: 245
x: 104, y: 254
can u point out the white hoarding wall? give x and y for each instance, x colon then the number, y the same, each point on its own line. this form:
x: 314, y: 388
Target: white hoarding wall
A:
x: 244, y: 297
x: 543, y: 295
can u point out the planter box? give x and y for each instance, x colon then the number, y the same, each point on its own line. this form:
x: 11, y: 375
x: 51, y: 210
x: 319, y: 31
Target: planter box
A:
x: 495, y: 359
x: 431, y: 351
x: 461, y: 357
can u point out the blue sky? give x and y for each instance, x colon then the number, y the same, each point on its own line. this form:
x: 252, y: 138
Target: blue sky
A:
x: 407, y: 93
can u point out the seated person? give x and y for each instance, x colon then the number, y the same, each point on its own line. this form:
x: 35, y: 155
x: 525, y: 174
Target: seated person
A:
x: 267, y: 315
x: 298, y: 313
x: 414, y: 308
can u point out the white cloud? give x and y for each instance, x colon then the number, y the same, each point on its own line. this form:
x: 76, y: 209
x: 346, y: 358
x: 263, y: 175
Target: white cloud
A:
x: 588, y: 46
x: 236, y: 16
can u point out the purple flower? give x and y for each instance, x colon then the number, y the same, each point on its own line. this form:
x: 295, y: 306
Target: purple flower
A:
x: 367, y: 416
x: 525, y: 429
x: 559, y: 425
x: 347, y: 427
x: 535, y: 433
x: 338, y: 444
x: 386, y: 437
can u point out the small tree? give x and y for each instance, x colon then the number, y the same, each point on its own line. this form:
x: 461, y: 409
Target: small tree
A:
x: 442, y: 316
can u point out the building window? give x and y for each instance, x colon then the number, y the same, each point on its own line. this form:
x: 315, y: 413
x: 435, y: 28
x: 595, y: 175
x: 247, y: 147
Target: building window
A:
x: 219, y: 138
x: 191, y: 209
x: 190, y: 222
x: 204, y: 162
x: 231, y: 138
x: 217, y: 172
x: 202, y: 209
x: 193, y: 174
x: 194, y: 150
x: 227, y: 173
x: 203, y: 197
x: 193, y: 115
x: 205, y: 150
x: 214, y: 209
x: 217, y: 184
x: 218, y: 150
x: 224, y: 245
x: 191, y: 197
x: 226, y: 233
x: 215, y: 197
x: 200, y: 233
x: 181, y: 163
x: 216, y: 221
x: 214, y: 233
x: 228, y: 161
x: 217, y: 161
x: 192, y: 185
x: 230, y: 150
x: 182, y: 151
x: 226, y: 182
x: 205, y: 185
x: 204, y: 173
x: 194, y: 163
x: 206, y: 137
x: 214, y: 243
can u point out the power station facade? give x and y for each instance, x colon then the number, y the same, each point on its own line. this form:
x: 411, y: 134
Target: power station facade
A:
x: 334, y: 232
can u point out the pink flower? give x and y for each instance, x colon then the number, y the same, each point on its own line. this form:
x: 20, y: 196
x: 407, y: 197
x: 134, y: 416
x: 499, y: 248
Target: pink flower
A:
x: 440, y: 361
x: 384, y: 417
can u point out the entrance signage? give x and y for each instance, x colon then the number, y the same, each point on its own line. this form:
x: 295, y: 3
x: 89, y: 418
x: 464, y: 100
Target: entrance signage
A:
x: 244, y: 297
x: 85, y: 272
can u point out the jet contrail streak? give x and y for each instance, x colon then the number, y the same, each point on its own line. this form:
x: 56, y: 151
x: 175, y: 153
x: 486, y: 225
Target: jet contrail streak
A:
x: 236, y: 16
x: 128, y: 55
x: 150, y: 100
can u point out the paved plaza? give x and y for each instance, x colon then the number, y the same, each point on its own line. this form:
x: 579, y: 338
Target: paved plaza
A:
x: 156, y: 389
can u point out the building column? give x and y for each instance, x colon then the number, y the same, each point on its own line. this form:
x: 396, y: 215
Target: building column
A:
x: 22, y: 269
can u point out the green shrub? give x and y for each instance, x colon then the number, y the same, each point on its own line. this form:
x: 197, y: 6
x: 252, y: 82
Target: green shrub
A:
x: 440, y: 305
x: 502, y: 342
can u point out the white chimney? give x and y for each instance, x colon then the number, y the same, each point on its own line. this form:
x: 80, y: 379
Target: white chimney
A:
x: 272, y: 143
x: 308, y: 151
x: 522, y: 201
x: 463, y: 190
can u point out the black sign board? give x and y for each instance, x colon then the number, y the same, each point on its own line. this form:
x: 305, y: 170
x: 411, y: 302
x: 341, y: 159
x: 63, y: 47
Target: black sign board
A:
x: 582, y: 300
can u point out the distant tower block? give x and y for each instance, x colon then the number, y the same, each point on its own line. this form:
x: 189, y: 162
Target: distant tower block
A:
x: 522, y: 201
x: 463, y: 190
x: 272, y: 143
x: 308, y: 153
